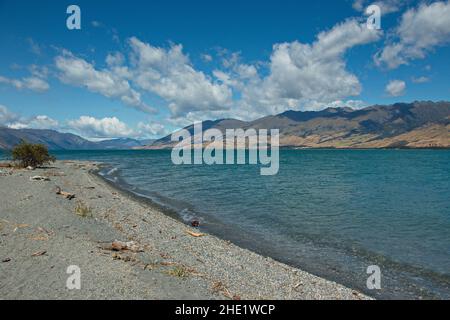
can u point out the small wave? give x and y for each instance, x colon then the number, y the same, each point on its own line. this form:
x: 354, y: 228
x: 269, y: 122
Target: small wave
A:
x: 112, y: 171
x: 188, y: 215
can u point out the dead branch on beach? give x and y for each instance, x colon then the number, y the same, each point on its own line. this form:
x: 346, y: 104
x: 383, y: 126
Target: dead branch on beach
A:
x: 67, y: 195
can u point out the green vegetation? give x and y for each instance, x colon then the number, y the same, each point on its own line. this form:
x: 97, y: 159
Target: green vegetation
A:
x: 34, y: 155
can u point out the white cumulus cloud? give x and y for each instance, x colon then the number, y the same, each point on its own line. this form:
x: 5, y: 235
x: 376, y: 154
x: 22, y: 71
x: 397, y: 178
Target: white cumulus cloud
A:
x: 31, y: 83
x: 170, y: 74
x: 298, y: 76
x: 37, y: 122
x: 100, y: 128
x: 15, y: 121
x: 386, y: 6
x: 421, y: 30
x: 301, y: 73
x: 151, y: 128
x: 7, y: 117
x: 396, y: 88
x: 78, y: 72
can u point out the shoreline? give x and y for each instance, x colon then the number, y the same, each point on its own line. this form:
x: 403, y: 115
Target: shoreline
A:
x: 395, y: 275
x: 171, y: 263
x: 224, y: 232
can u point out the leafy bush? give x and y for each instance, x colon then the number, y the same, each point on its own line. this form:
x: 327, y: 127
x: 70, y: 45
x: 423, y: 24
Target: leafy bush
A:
x: 34, y: 155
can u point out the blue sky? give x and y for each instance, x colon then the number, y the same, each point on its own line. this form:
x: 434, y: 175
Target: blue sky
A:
x: 143, y: 69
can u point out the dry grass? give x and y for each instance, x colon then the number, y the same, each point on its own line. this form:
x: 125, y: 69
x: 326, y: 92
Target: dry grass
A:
x: 83, y: 210
x: 179, y: 272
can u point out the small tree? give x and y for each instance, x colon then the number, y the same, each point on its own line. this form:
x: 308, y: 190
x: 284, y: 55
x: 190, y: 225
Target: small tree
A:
x: 33, y: 155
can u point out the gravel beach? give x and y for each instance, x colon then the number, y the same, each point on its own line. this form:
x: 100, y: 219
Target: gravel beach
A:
x: 42, y: 233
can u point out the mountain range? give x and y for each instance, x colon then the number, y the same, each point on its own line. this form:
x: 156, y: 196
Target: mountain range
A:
x: 421, y: 124
x: 55, y: 140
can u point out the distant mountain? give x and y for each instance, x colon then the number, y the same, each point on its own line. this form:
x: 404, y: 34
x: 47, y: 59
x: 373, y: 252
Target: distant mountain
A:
x: 123, y: 143
x: 55, y: 140
x: 402, y: 125
x: 52, y: 139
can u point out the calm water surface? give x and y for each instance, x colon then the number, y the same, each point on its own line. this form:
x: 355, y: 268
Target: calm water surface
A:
x: 330, y: 212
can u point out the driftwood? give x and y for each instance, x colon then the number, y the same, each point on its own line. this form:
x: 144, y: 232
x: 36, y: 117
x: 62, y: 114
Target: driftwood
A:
x: 67, y: 195
x: 195, y: 234
x: 39, y: 178
x: 39, y: 253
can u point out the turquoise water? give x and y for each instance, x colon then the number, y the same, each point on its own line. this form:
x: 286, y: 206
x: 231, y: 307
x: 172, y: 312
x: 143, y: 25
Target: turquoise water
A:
x: 330, y: 212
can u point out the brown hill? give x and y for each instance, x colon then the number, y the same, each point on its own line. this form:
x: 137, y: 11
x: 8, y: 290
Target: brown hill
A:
x: 402, y: 125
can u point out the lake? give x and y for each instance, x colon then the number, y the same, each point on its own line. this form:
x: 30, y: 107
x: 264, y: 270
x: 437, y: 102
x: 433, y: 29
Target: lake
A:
x: 330, y: 212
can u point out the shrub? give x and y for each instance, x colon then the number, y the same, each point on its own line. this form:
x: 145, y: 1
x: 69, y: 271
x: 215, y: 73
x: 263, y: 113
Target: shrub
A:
x: 34, y: 155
